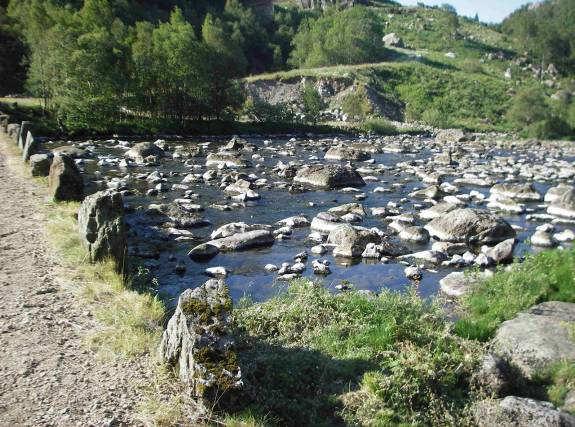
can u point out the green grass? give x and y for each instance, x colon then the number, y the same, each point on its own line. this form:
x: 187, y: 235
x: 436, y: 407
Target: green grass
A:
x: 313, y: 358
x: 378, y: 126
x: 131, y: 322
x: 547, y: 276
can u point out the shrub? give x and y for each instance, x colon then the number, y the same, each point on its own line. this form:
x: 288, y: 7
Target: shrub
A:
x: 260, y: 111
x: 356, y: 104
x: 312, y: 103
x: 547, y: 276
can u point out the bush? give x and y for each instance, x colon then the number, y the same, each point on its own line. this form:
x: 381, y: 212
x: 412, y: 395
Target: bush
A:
x: 313, y: 358
x: 260, y: 111
x: 547, y: 276
x: 312, y: 103
x: 531, y: 114
x: 356, y: 104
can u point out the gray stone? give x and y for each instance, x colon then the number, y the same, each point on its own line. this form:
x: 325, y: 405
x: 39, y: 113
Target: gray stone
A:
x: 65, y: 180
x: 40, y: 164
x: 343, y: 152
x: 31, y: 146
x: 524, y: 192
x: 518, y: 412
x: 351, y: 242
x: 203, y: 251
x: 457, y: 283
x: 537, y: 338
x: 139, y: 152
x: 564, y: 206
x: 245, y: 240
x: 470, y: 226
x: 22, y: 135
x: 13, y: 131
x: 329, y: 176
x: 101, y: 226
x: 502, y: 252
x: 392, y: 40
x: 198, y: 342
x: 71, y: 151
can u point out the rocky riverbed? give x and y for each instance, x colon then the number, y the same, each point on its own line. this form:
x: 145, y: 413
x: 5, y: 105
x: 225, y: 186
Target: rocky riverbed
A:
x: 376, y: 212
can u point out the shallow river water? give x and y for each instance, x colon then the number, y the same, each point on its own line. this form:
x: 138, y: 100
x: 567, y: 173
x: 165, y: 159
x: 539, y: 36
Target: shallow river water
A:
x: 247, y: 274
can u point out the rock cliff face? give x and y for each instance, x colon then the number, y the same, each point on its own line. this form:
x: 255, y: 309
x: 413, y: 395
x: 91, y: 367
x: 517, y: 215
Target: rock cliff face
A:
x: 332, y: 91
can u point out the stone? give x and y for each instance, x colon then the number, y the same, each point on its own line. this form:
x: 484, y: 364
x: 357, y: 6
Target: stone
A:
x: 515, y: 411
x: 294, y: 222
x: 31, y: 146
x: 22, y: 134
x: 142, y: 150
x: 325, y: 223
x: 71, y: 151
x: 203, y: 251
x: 216, y: 272
x: 554, y: 194
x: 392, y: 40
x: 13, y: 131
x: 457, y: 284
x: 502, y: 252
x: 564, y: 206
x: 542, y: 239
x: 329, y: 176
x: 342, y: 152
x: 40, y: 164
x: 437, y: 211
x: 320, y: 268
x: 198, y: 342
x: 243, y: 241
x: 470, y: 226
x: 537, y: 338
x: 65, y: 180
x: 102, y: 229
x: 413, y: 273
x: 524, y: 192
x: 495, y: 377
x: 226, y: 159
x: 232, y: 228
x: 414, y: 234
x: 351, y: 242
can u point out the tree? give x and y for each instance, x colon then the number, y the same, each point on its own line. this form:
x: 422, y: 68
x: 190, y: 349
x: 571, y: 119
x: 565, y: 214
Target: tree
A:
x: 350, y: 36
x: 313, y: 104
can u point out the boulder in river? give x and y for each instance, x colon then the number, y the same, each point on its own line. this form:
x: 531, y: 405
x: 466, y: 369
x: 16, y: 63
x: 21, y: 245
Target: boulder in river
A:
x: 65, y: 180
x: 351, y: 242
x: 524, y: 192
x: 101, y: 226
x: 245, y: 240
x: 198, y: 342
x: 470, y: 226
x: 329, y: 176
x: 343, y: 152
x: 564, y: 206
x: 139, y: 152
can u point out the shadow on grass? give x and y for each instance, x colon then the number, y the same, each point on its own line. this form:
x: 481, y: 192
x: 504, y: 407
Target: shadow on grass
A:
x: 293, y: 385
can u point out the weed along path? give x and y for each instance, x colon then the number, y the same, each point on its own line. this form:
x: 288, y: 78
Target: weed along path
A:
x: 47, y: 374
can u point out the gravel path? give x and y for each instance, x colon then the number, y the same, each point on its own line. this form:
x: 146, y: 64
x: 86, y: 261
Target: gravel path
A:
x: 47, y: 376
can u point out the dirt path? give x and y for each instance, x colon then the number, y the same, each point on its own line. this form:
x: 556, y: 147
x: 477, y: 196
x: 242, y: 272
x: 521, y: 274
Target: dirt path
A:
x: 47, y: 376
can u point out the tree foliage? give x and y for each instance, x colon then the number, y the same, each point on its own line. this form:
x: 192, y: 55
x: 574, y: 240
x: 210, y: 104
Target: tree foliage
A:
x: 351, y: 36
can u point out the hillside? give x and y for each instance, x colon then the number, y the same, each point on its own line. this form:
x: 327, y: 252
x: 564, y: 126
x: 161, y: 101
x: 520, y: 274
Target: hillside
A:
x: 443, y: 70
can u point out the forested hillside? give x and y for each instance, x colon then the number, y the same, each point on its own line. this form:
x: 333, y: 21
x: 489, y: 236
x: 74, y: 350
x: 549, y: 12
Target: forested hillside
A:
x: 127, y: 64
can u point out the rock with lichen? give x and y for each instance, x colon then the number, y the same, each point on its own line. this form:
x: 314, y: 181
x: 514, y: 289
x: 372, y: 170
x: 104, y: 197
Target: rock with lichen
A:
x: 198, y: 341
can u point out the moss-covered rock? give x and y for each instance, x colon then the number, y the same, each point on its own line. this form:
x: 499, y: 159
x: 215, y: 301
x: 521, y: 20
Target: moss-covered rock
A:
x: 197, y: 341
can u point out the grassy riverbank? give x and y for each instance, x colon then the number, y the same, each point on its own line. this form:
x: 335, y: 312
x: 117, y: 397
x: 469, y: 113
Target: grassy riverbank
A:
x: 547, y: 276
